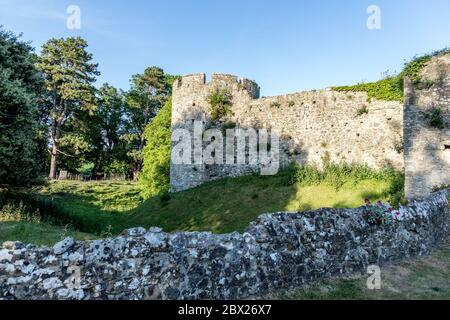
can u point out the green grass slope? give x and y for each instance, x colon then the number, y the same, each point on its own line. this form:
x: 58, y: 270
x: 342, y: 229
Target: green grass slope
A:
x: 37, y: 233
x: 221, y: 206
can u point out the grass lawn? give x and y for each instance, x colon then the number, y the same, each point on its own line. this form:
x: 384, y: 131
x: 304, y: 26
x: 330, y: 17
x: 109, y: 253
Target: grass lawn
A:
x: 221, y: 206
x: 425, y: 278
x: 19, y: 224
x: 37, y: 233
x: 110, y: 196
x: 99, y: 208
x: 230, y: 205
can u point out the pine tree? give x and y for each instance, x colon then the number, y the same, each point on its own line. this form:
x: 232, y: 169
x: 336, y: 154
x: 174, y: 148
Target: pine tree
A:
x: 69, y: 76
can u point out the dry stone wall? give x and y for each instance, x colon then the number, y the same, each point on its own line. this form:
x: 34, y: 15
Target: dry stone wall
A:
x: 277, y: 251
x: 312, y: 125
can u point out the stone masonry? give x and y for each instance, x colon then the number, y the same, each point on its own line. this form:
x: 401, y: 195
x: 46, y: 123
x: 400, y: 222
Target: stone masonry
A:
x: 427, y: 149
x: 312, y: 125
x: 278, y: 251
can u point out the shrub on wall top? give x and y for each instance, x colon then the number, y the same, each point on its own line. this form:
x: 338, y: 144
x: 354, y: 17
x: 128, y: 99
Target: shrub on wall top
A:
x: 391, y: 88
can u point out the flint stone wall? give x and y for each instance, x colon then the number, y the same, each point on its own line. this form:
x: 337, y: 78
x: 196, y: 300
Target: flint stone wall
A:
x: 277, y: 251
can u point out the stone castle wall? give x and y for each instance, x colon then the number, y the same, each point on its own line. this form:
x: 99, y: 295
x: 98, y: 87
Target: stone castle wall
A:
x: 278, y: 251
x: 427, y: 149
x: 312, y: 125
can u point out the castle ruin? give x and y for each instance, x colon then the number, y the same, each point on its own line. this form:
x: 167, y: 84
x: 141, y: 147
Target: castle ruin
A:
x: 319, y: 125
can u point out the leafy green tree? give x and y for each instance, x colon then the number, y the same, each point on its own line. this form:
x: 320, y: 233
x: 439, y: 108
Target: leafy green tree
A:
x: 69, y: 76
x: 74, y: 150
x: 19, y: 86
x: 154, y: 178
x: 149, y: 91
x: 112, y: 120
x: 110, y: 114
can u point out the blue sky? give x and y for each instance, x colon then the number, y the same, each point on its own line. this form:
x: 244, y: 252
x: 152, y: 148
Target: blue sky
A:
x: 286, y: 46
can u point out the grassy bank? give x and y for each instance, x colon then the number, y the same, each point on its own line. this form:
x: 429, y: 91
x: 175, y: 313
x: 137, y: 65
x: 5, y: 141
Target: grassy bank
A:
x: 38, y: 233
x: 17, y: 223
x: 222, y: 206
x: 230, y: 205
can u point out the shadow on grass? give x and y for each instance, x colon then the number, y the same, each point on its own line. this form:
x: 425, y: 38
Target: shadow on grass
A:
x: 220, y: 207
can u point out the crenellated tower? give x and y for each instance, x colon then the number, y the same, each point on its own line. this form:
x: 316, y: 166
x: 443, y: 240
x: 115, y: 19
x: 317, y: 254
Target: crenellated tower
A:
x: 190, y: 106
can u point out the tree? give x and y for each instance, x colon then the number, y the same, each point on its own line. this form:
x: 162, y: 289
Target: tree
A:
x: 19, y: 85
x: 149, y: 91
x: 154, y: 178
x: 110, y: 111
x: 111, y: 118
x: 69, y: 76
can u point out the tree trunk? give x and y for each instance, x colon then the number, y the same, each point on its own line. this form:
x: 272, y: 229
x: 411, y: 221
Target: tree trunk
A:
x: 55, y: 133
x: 54, y: 158
x: 138, y: 163
x: 136, y: 173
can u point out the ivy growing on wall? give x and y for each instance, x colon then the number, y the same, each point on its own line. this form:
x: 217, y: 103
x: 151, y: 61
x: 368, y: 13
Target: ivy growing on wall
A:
x: 413, y: 68
x: 389, y: 89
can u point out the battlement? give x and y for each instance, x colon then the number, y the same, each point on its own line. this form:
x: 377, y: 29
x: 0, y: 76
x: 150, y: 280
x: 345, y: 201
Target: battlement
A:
x: 189, y: 80
x: 218, y: 80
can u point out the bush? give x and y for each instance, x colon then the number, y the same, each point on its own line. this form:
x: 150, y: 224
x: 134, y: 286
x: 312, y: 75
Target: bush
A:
x: 380, y: 214
x: 413, y: 68
x: 337, y: 175
x: 391, y: 87
x: 86, y: 169
x: 118, y: 167
x: 220, y: 102
x: 361, y: 111
x: 436, y: 119
x: 155, y: 176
